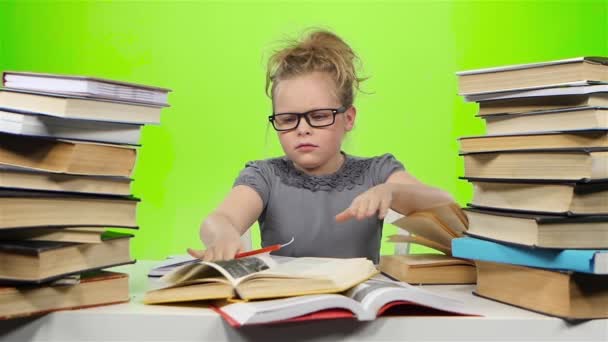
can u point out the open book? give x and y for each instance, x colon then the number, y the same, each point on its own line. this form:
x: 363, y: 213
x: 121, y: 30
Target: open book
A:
x: 434, y: 228
x: 364, y: 302
x: 259, y: 277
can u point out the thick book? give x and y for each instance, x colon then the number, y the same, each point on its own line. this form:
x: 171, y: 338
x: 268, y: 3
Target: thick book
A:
x: 93, y: 87
x: 564, y: 198
x: 71, y: 234
x: 576, y: 260
x: 48, y: 126
x: 534, y: 94
x: 573, y: 71
x: 549, y: 231
x: 93, y: 289
x: 551, y: 164
x: 428, y: 269
x: 41, y: 261
x: 27, y: 179
x: 571, y: 119
x: 542, y: 103
x: 365, y: 302
x: 260, y: 277
x: 589, y: 139
x: 567, y: 295
x: 62, y: 156
x: 23, y: 209
x: 75, y: 107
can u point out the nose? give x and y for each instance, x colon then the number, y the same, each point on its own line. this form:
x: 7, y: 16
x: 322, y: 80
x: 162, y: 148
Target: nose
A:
x: 303, y: 127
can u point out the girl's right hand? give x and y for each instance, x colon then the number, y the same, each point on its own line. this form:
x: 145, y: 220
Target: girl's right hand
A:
x: 224, y: 248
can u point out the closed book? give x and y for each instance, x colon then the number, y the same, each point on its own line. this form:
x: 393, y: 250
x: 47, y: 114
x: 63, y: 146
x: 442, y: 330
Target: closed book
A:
x: 93, y: 289
x: 552, y: 164
x: 573, y: 71
x: 23, y: 209
x: 549, y: 231
x: 542, y: 103
x: 577, y: 260
x: 27, y: 179
x: 71, y: 234
x: 428, y: 269
x: 34, y: 262
x: 77, y: 107
x: 48, y: 126
x: 535, y: 141
x: 568, y: 295
x: 88, y: 86
x: 61, y: 156
x: 534, y: 95
x: 571, y: 119
x: 538, y: 196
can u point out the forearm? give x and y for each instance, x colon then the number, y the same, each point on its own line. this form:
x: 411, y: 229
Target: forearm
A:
x: 408, y: 198
x: 215, y: 226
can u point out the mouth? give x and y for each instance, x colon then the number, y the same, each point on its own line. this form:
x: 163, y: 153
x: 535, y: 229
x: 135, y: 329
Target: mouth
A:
x: 306, y: 146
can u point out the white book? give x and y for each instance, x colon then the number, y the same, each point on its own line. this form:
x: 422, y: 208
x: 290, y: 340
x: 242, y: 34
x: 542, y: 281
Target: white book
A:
x: 365, y: 301
x: 86, y: 86
x: 73, y: 129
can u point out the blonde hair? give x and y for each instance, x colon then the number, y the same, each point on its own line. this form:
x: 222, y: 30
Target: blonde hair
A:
x: 321, y: 51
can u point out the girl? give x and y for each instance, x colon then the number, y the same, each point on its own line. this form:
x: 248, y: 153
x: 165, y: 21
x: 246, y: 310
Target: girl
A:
x: 331, y: 202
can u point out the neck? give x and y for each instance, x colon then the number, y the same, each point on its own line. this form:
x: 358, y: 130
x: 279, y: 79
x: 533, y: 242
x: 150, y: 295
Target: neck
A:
x: 332, y: 165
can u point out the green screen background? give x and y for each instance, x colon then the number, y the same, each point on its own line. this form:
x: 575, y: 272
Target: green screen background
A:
x: 212, y: 54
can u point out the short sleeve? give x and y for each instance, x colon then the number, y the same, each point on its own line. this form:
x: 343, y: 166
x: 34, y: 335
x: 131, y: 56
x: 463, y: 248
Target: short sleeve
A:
x: 256, y: 176
x: 383, y: 166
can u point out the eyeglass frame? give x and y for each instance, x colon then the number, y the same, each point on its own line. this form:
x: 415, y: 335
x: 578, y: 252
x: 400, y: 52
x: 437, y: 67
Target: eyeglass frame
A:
x: 334, y: 111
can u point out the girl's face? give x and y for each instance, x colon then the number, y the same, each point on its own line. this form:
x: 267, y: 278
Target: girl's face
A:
x: 309, y: 147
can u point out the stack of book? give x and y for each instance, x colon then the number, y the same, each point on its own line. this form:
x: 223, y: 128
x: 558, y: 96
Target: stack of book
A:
x: 538, y: 221
x: 68, y: 146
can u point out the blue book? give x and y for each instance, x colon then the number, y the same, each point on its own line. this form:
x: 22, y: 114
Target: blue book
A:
x: 577, y: 260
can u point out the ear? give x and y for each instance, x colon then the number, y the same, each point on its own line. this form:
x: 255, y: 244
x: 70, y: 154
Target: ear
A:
x: 350, y: 115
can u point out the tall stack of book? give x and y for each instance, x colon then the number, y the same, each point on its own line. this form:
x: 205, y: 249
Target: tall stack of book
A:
x: 538, y: 221
x: 68, y: 146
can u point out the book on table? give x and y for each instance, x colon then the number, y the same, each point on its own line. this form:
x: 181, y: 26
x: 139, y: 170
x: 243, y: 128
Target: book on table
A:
x: 47, y: 126
x: 86, y: 86
x: 434, y: 228
x: 577, y: 260
x: 572, y: 119
x: 92, y: 289
x: 35, y: 262
x: 566, y: 72
x: 78, y: 107
x: 260, y: 277
x: 540, y: 230
x: 61, y: 156
x: 520, y: 105
x: 538, y: 196
x: 373, y: 298
x: 67, y: 234
x: 568, y: 295
x: 25, y: 209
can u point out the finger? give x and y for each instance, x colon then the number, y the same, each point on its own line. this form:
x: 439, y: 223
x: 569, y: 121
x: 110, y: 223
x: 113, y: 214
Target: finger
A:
x: 196, y: 254
x: 208, y: 255
x: 361, y: 209
x: 372, y: 207
x: 344, y: 216
x: 384, y: 207
x: 229, y: 253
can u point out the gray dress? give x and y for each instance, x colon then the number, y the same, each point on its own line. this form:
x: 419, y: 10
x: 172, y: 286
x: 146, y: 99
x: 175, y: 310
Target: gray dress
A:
x: 304, y: 207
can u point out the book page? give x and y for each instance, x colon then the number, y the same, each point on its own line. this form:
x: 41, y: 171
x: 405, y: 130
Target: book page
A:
x: 233, y: 270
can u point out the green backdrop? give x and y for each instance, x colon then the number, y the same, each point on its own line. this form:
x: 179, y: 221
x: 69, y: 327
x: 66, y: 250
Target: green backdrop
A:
x: 212, y: 54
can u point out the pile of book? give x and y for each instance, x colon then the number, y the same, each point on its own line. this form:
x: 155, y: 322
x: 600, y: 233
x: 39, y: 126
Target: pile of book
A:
x: 68, y: 146
x: 538, y: 221
x: 263, y: 289
x: 434, y: 228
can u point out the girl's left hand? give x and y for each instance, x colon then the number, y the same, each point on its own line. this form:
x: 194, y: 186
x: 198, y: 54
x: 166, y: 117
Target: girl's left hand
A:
x: 375, y: 200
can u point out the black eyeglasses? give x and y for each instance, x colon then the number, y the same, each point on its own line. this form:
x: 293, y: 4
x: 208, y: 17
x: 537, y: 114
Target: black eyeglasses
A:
x: 315, y: 118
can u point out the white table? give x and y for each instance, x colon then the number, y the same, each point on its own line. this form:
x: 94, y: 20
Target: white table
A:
x: 135, y: 321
